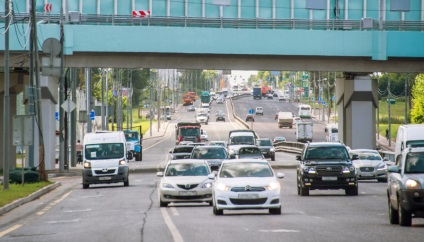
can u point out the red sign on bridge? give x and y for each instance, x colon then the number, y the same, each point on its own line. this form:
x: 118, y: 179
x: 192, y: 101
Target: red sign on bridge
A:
x: 140, y: 13
x: 48, y: 7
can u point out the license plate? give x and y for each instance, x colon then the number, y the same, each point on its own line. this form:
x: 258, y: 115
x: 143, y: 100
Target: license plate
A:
x: 329, y: 178
x: 188, y: 193
x: 105, y: 178
x: 367, y: 174
x: 248, y: 196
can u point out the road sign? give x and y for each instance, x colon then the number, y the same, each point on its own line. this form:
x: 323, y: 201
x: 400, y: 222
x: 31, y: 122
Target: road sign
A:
x: 333, y: 98
x: 323, y: 103
x: 56, y: 115
x: 319, y: 99
x: 275, y: 73
x: 252, y: 111
x: 48, y: 7
x: 92, y: 114
x: 312, y: 99
x: 140, y: 13
x: 68, y: 106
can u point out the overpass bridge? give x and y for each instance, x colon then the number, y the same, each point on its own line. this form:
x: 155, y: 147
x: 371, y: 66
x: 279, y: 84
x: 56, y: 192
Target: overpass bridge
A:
x: 356, y: 37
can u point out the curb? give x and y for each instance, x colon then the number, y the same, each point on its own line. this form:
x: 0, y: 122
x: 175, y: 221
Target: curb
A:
x: 29, y: 198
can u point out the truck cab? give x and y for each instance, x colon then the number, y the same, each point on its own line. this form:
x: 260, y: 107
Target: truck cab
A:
x: 134, y: 146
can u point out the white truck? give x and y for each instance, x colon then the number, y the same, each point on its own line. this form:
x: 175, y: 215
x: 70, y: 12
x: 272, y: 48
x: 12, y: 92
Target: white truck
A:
x: 332, y: 132
x: 285, y: 119
x: 304, y: 132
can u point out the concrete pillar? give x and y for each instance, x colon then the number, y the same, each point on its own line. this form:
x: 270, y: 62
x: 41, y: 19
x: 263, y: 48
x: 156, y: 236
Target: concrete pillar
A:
x: 357, y: 100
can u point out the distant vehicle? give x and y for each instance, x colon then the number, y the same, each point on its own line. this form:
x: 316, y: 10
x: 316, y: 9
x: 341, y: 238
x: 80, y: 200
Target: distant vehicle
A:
x: 205, y: 97
x: 202, y: 116
x: 196, y: 188
x: 234, y: 176
x: 245, y: 152
x: 257, y: 93
x: 225, y: 92
x: 214, y: 155
x: 220, y: 116
x: 259, y: 111
x: 267, y: 148
x: 204, y: 136
x: 332, y: 131
x: 213, y: 95
x: 191, y: 108
x: 369, y: 165
x: 282, y: 98
x: 279, y: 139
x: 304, y: 132
x: 134, y: 146
x: 219, y: 100
x: 304, y: 111
x: 216, y: 142
x: 296, y: 120
x: 405, y: 187
x: 181, y: 152
x: 187, y: 131
x: 270, y: 96
x: 408, y: 135
x: 188, y: 99
x: 285, y: 119
x: 250, y: 117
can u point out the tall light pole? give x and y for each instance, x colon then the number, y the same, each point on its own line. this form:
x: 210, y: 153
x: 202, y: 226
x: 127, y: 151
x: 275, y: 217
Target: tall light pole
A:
x: 6, y: 99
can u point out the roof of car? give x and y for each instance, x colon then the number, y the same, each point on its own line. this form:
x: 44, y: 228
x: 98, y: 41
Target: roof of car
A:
x: 263, y: 139
x: 326, y: 144
x: 364, y: 151
x: 244, y: 161
x: 209, y: 147
x: 185, y: 161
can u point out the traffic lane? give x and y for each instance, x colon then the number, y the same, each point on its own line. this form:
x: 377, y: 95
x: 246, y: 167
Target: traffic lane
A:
x: 101, y: 213
x: 266, y: 125
x: 323, y: 216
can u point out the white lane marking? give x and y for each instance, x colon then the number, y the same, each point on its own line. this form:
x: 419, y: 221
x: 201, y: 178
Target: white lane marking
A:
x: 64, y: 221
x: 279, y: 231
x: 174, y: 211
x: 53, y: 204
x: 78, y: 211
x: 14, y: 227
x: 171, y: 226
x: 160, y: 141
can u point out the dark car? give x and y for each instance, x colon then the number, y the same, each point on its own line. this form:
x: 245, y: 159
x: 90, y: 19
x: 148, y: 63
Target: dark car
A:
x: 245, y: 152
x: 325, y: 166
x: 250, y: 117
x: 181, y: 152
x: 267, y: 148
x: 279, y: 139
x: 191, y: 108
x: 213, y: 154
x: 220, y: 116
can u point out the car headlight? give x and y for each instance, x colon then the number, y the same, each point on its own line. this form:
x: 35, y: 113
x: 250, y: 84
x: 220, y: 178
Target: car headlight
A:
x: 348, y: 169
x: 221, y: 187
x: 207, y: 185
x: 381, y: 166
x: 272, y: 149
x: 87, y: 164
x: 122, y: 162
x: 273, y: 186
x: 412, y: 184
x: 167, y: 185
x: 310, y: 170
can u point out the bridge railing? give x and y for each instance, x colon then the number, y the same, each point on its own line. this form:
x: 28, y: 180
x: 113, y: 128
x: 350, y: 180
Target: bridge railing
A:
x: 239, y: 23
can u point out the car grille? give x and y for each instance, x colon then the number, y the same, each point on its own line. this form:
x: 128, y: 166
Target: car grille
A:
x: 257, y: 201
x: 366, y: 169
x: 329, y: 170
x: 187, y: 186
x: 252, y: 189
x: 193, y: 139
x: 100, y: 172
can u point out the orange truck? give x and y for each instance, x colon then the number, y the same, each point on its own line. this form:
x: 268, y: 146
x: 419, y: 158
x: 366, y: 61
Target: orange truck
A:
x: 265, y: 90
x: 193, y: 94
x: 188, y: 99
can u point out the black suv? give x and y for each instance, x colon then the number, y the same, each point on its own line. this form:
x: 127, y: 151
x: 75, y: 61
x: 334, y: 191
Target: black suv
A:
x: 324, y: 166
x: 267, y: 147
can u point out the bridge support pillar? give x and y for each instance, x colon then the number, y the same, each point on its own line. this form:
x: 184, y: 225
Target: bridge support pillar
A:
x: 357, y: 100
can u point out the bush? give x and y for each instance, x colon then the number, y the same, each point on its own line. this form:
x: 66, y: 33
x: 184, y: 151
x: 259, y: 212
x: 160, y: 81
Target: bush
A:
x: 30, y: 176
x: 393, y: 120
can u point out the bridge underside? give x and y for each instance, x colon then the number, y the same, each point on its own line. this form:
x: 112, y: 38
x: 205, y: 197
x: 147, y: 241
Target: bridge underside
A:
x: 230, y: 62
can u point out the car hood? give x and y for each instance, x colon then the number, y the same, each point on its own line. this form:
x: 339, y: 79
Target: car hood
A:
x: 184, y: 179
x: 244, y: 181
x: 180, y: 155
x: 327, y: 162
x: 250, y: 156
x: 214, y: 161
x: 265, y: 147
x: 369, y: 163
x: 418, y: 177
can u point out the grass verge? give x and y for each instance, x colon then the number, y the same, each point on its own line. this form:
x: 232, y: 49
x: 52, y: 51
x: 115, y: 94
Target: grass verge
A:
x: 17, y: 191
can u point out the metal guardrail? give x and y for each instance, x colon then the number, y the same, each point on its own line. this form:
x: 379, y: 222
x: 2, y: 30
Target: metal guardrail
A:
x: 237, y: 23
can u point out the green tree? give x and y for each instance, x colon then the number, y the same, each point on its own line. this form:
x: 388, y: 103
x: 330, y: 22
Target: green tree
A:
x: 417, y: 111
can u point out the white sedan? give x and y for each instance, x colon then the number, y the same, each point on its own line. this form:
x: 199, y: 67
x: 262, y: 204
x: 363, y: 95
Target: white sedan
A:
x: 204, y: 136
x: 185, y: 181
x: 246, y: 184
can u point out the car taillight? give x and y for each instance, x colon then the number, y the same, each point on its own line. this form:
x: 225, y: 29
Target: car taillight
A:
x: 180, y: 138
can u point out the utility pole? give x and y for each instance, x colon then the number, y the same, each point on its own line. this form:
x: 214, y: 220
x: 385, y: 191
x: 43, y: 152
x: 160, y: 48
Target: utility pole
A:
x: 406, y: 98
x: 6, y: 100
x: 151, y: 100
x: 388, y: 95
x: 62, y: 147
x: 88, y: 97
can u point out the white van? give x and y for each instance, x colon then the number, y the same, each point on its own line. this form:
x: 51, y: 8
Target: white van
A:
x: 105, y: 158
x: 408, y: 135
x: 332, y: 131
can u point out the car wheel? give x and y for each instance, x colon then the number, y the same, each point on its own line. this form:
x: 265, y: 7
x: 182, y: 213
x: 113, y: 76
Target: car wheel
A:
x: 85, y: 186
x: 210, y: 203
x: 303, y: 190
x: 273, y: 158
x: 162, y: 204
x: 353, y: 191
x: 216, y: 211
x: 127, y: 182
x: 405, y: 218
x: 276, y: 211
x: 393, y: 214
x: 138, y: 157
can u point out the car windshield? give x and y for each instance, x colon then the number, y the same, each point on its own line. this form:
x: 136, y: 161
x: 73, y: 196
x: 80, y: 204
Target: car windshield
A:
x: 320, y: 153
x: 104, y: 151
x: 368, y: 156
x: 185, y: 169
x: 242, y: 140
x: 183, y: 149
x: 189, y: 132
x: 131, y: 136
x: 414, y: 163
x: 245, y: 169
x: 265, y: 143
x: 209, y: 153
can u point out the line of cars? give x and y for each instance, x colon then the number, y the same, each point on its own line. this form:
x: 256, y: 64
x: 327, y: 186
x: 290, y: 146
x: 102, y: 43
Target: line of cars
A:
x: 226, y: 175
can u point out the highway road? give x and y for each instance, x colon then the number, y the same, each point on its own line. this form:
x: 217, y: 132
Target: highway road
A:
x: 117, y: 213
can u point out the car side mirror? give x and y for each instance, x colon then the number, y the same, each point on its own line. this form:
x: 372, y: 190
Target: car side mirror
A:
x: 130, y: 155
x: 298, y: 157
x: 355, y: 157
x: 385, y: 159
x: 394, y: 169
